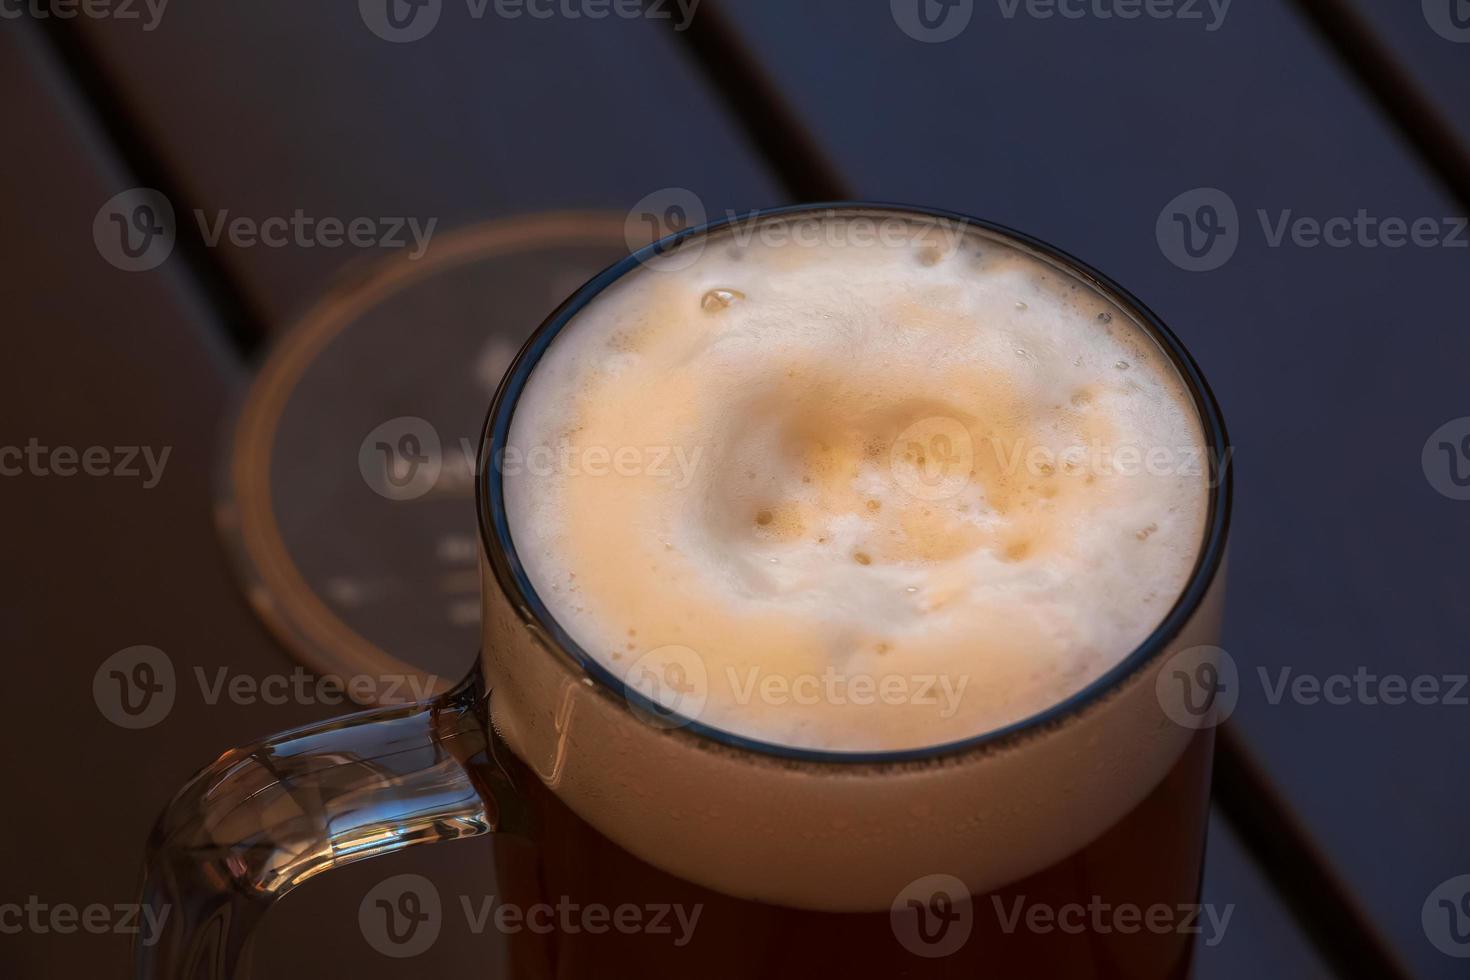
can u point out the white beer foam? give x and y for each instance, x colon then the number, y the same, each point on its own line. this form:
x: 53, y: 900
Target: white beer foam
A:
x: 886, y: 493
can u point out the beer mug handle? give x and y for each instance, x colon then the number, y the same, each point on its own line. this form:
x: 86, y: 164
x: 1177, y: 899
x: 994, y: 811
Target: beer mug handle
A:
x: 262, y: 819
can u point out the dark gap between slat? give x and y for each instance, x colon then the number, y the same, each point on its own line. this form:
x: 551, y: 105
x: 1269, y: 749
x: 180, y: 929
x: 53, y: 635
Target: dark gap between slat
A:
x: 768, y: 120
x: 241, y: 317
x: 1319, y: 900
x: 1299, y: 872
x: 1376, y: 68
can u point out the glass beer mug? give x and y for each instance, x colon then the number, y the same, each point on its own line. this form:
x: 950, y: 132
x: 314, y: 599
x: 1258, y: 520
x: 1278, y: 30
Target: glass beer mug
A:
x: 916, y: 862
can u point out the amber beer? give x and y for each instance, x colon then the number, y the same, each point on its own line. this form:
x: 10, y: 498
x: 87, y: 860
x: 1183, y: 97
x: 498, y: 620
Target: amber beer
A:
x: 908, y: 440
x: 1148, y: 860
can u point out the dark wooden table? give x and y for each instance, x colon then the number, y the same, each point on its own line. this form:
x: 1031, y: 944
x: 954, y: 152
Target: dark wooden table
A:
x: 1333, y: 364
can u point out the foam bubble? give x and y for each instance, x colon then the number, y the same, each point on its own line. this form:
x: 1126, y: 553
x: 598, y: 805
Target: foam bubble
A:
x: 892, y: 494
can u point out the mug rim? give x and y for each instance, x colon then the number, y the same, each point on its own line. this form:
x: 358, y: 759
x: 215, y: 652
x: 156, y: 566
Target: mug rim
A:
x: 511, y: 577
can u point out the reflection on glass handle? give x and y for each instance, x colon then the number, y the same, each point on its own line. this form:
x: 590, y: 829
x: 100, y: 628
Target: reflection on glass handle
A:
x: 262, y: 819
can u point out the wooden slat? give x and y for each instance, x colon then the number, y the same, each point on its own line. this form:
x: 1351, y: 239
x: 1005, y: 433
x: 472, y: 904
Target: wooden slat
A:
x: 1334, y: 366
x: 458, y: 130
x: 1429, y: 40
x: 263, y: 108
x: 1257, y: 938
x: 1403, y: 57
x: 94, y: 564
